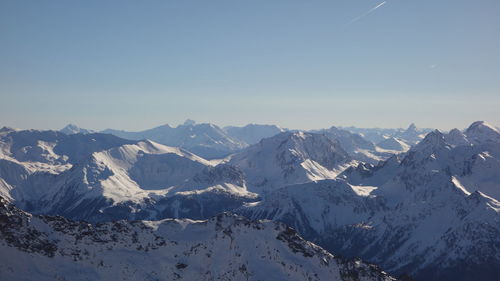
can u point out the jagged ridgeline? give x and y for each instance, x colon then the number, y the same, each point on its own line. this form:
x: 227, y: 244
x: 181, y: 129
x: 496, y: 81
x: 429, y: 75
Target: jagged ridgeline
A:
x: 416, y: 202
x: 225, y: 247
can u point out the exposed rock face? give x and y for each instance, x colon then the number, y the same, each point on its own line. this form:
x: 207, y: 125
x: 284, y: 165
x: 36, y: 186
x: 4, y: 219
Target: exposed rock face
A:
x: 224, y: 247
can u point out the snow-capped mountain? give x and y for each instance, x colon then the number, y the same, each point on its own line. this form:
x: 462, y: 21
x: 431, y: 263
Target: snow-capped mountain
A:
x: 207, y: 140
x: 74, y: 129
x: 349, y: 141
x: 432, y: 212
x: 30, y: 160
x: 38, y: 149
x: 141, y: 180
x: 53, y: 248
x: 411, y: 135
x: 482, y: 132
x: 315, y: 209
x: 289, y: 158
x: 253, y: 133
x: 100, y: 177
x: 356, y: 145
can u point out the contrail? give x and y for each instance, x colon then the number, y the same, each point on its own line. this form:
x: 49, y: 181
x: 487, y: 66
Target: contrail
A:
x: 367, y: 13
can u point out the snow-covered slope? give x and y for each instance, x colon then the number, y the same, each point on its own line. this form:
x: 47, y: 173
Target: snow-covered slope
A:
x: 315, y: 209
x: 141, y: 180
x: 432, y: 235
x: 481, y: 132
x: 253, y: 133
x: 48, y: 149
x: 412, y: 135
x: 289, y: 158
x: 349, y: 141
x: 393, y: 144
x: 432, y: 213
x: 456, y: 137
x: 207, y: 140
x: 29, y: 155
x: 53, y: 248
x: 355, y: 145
x: 360, y: 148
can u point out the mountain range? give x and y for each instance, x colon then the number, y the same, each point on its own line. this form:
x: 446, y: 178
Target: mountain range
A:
x: 416, y: 203
x: 432, y: 212
x: 211, y: 141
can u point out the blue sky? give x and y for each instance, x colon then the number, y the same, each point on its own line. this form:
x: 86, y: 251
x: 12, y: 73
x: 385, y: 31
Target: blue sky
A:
x: 299, y: 64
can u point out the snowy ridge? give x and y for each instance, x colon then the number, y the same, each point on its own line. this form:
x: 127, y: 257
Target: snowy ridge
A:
x: 55, y: 248
x: 80, y: 177
x: 53, y: 151
x: 361, y: 149
x: 432, y: 212
x: 136, y: 181
x: 206, y: 140
x: 289, y: 158
x: 315, y: 208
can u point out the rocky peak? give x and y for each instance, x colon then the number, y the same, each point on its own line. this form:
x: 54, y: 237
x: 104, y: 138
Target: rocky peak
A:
x: 433, y: 140
x: 412, y: 128
x: 456, y: 137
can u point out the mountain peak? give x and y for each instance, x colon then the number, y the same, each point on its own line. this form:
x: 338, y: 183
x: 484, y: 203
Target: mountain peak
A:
x: 432, y: 140
x: 6, y: 129
x: 480, y: 131
x: 481, y: 125
x: 436, y: 134
x: 289, y: 158
x: 456, y: 137
x: 189, y: 122
x: 71, y: 129
x: 412, y: 128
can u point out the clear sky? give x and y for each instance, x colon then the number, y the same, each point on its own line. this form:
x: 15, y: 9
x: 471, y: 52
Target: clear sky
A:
x: 299, y: 64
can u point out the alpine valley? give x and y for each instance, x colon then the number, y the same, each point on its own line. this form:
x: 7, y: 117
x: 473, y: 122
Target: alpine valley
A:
x: 259, y: 202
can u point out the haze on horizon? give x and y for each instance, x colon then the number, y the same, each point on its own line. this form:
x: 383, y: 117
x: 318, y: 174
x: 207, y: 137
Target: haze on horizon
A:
x: 297, y: 64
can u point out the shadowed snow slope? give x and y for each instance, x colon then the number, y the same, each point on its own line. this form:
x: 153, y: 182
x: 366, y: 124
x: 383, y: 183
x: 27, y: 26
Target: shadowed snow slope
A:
x: 53, y: 248
x: 432, y: 212
x: 206, y: 140
x: 130, y: 181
